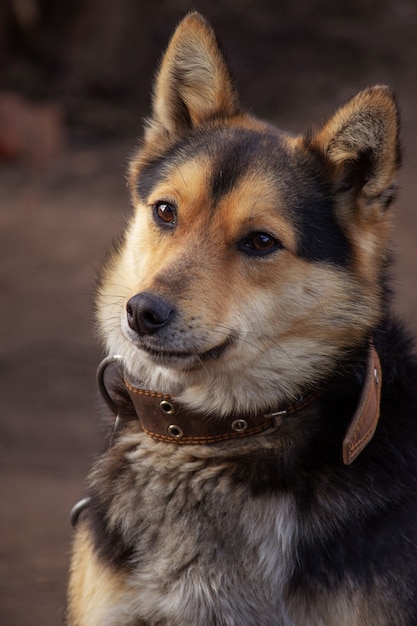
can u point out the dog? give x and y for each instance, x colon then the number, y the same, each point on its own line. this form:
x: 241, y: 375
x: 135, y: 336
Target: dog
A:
x: 262, y: 469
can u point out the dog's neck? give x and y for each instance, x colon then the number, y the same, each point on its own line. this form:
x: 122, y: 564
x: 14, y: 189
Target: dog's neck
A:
x: 164, y: 419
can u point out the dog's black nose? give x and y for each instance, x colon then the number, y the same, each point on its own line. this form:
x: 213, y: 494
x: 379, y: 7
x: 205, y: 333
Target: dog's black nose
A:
x: 147, y: 313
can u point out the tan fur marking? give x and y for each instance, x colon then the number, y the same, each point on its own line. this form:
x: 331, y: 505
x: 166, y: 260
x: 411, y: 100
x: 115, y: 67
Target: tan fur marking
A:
x: 94, y: 589
x: 350, y: 607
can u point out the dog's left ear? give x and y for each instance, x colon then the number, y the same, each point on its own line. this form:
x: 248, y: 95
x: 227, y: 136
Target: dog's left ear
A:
x: 360, y: 145
x: 193, y: 84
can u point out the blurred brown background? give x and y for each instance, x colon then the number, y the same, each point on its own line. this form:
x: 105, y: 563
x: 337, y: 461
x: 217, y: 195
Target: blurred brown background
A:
x: 75, y: 78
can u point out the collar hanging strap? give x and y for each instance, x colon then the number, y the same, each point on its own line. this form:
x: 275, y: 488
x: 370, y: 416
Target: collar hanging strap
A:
x: 365, y: 420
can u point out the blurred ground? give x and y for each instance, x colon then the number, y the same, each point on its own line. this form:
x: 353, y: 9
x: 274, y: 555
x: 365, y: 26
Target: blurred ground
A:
x: 295, y: 62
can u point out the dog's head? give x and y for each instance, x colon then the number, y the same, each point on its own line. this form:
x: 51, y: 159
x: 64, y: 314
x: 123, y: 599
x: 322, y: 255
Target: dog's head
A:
x: 253, y: 258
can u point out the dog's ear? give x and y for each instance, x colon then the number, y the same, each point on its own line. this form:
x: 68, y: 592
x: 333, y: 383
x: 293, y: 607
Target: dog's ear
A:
x: 360, y: 145
x: 193, y: 84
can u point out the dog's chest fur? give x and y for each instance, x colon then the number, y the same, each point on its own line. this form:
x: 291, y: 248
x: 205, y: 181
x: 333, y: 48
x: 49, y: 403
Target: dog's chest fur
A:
x: 202, y: 542
x: 194, y: 545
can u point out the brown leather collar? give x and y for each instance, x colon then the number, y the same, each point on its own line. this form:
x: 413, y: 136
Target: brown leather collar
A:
x: 164, y: 419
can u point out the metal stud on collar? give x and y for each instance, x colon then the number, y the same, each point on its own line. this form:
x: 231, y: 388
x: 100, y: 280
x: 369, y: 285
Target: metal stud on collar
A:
x: 239, y: 426
x: 167, y: 407
x: 175, y: 431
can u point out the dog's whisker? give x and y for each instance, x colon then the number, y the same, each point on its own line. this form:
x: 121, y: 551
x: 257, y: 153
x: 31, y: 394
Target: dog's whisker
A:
x: 119, y: 291
x: 200, y: 360
x: 268, y: 339
x: 115, y: 302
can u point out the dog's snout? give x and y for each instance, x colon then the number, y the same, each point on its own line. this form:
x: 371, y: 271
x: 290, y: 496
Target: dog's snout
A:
x: 147, y: 313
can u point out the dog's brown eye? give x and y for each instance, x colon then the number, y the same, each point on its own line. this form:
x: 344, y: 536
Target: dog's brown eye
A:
x: 259, y: 244
x: 262, y: 242
x: 166, y: 213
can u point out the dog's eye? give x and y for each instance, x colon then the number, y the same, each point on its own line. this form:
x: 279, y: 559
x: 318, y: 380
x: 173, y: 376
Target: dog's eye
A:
x: 259, y: 244
x: 165, y: 213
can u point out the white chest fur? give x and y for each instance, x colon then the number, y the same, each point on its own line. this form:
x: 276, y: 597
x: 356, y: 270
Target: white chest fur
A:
x: 207, y: 550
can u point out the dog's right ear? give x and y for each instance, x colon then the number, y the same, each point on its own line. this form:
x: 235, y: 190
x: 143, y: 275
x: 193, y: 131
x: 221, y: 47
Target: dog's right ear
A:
x: 193, y: 84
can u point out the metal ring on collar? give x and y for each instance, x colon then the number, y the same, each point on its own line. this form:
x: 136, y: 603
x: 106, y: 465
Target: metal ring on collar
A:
x: 77, y: 509
x: 100, y: 380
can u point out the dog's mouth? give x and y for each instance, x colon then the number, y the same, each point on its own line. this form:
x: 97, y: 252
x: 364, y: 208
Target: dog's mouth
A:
x: 187, y: 359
